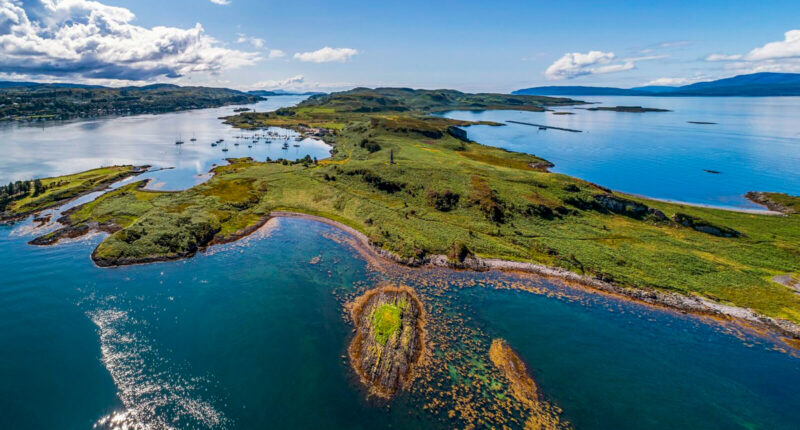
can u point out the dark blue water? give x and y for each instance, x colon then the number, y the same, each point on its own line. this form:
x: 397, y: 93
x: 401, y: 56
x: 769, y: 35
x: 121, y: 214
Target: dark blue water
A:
x: 755, y: 145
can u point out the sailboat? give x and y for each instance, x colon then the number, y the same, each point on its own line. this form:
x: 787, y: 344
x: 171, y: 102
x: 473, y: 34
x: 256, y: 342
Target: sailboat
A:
x: 193, y: 139
x: 179, y: 141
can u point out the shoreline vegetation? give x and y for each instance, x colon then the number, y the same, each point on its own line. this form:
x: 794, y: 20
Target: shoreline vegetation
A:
x: 22, y: 198
x: 421, y: 193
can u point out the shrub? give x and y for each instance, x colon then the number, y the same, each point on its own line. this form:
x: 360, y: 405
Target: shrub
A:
x: 488, y: 201
x: 370, y: 146
x: 444, y: 201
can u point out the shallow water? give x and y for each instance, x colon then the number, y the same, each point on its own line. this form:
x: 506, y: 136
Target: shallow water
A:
x: 251, y: 335
x: 755, y: 145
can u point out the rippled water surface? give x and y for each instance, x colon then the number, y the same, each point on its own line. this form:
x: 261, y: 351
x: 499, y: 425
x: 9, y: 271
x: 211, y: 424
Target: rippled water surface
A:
x: 251, y: 334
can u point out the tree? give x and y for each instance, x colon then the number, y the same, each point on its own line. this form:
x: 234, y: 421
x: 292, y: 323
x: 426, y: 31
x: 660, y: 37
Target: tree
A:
x: 38, y: 188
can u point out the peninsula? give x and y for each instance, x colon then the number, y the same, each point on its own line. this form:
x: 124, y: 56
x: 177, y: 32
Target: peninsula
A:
x: 422, y: 193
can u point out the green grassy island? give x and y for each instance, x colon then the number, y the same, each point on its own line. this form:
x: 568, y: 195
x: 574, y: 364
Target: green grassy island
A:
x: 421, y: 192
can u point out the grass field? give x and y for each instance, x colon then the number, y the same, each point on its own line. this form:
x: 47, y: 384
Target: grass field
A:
x: 414, y: 186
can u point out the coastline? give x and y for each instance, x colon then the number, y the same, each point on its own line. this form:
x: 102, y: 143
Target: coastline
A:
x: 694, y: 305
x: 754, y: 211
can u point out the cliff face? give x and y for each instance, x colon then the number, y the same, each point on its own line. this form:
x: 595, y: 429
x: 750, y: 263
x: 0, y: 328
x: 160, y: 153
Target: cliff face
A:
x: 389, y: 340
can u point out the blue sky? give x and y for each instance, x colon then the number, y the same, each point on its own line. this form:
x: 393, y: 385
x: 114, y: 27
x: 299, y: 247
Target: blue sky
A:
x: 468, y: 45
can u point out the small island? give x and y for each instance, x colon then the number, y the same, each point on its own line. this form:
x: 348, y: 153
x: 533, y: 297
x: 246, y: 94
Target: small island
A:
x: 390, y: 338
x: 631, y: 109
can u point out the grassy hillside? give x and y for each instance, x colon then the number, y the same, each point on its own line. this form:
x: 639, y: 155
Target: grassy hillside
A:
x: 415, y: 186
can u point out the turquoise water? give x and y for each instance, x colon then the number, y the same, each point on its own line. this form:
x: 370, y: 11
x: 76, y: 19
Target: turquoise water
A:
x: 755, y: 145
x: 251, y: 334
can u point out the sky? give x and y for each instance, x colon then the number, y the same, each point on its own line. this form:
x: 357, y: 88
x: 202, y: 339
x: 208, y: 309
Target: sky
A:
x: 468, y: 45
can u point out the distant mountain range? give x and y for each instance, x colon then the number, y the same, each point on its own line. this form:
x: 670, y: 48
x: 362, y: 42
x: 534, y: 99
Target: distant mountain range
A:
x: 265, y: 93
x: 753, y: 85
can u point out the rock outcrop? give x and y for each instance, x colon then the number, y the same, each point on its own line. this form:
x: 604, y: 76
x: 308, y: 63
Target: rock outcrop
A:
x: 704, y: 226
x: 458, y: 133
x: 769, y: 200
x: 543, y: 415
x: 390, y: 338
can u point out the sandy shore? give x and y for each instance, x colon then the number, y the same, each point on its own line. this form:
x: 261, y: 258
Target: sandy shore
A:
x: 691, y: 304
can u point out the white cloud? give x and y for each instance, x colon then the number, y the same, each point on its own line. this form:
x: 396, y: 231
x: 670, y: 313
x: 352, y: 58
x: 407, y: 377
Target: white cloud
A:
x: 576, y: 64
x: 257, y: 42
x: 288, y: 83
x: 723, y: 57
x: 326, y: 54
x: 222, y: 2
x: 780, y: 56
x: 276, y: 53
x: 89, y: 40
x: 789, y: 47
x: 674, y: 82
x: 300, y: 84
x: 675, y: 44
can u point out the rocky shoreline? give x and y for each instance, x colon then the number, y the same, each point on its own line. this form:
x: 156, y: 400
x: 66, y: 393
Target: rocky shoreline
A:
x: 674, y: 301
x: 763, y: 199
x: 690, y: 304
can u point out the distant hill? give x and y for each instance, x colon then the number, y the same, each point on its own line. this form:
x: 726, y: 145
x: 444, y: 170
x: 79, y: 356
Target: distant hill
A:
x: 753, y: 85
x: 31, y: 101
